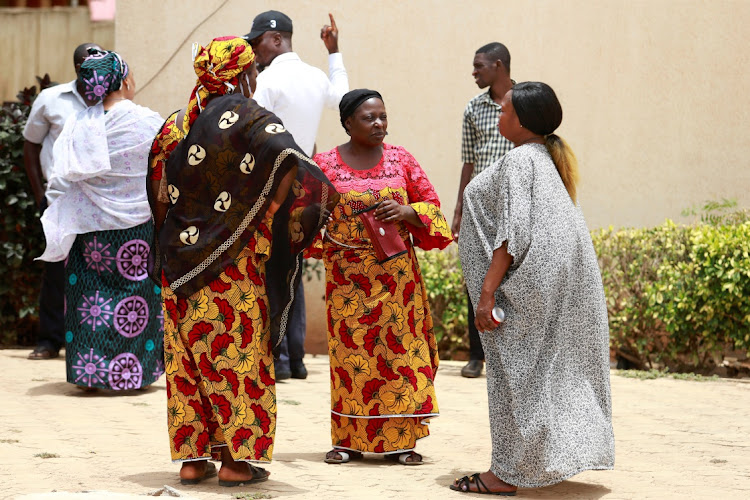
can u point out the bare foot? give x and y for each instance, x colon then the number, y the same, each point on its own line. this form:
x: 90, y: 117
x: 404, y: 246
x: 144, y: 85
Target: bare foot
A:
x: 233, y: 473
x: 193, y: 470
x: 486, y: 482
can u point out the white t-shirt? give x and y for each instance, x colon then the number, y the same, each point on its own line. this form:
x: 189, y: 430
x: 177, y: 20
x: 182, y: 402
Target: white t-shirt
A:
x: 297, y: 92
x: 50, y: 111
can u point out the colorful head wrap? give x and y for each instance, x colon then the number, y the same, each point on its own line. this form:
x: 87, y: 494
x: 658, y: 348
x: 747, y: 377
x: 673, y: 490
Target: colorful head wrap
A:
x: 218, y: 66
x: 102, y: 73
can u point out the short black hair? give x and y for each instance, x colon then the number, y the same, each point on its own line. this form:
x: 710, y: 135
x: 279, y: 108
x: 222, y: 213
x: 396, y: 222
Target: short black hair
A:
x: 537, y: 107
x: 496, y: 51
x: 82, y: 52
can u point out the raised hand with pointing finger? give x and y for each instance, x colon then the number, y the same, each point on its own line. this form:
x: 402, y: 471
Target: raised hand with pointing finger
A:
x: 329, y: 33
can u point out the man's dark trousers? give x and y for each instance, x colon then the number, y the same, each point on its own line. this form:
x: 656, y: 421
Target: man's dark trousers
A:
x: 293, y: 344
x: 52, y: 303
x: 476, y: 353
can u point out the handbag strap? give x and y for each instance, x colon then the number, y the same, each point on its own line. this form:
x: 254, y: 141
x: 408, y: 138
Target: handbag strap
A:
x: 329, y: 237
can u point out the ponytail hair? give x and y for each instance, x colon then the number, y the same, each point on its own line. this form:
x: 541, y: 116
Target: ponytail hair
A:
x: 565, y: 161
x: 539, y: 111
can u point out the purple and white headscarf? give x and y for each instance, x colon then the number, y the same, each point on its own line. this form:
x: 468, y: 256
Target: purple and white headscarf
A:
x: 101, y: 74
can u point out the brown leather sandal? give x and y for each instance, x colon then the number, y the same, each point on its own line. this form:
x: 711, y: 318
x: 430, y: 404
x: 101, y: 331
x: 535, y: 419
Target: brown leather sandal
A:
x: 462, y: 485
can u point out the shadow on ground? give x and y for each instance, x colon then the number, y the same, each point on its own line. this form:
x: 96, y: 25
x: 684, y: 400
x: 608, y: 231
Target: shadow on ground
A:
x: 66, y: 389
x: 370, y: 461
x: 159, y: 479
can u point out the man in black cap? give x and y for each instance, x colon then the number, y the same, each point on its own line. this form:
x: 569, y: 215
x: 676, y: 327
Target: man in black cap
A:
x: 297, y: 93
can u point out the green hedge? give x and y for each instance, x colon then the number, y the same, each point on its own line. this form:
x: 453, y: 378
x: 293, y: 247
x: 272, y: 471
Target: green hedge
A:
x: 444, y: 281
x: 678, y: 295
x: 20, y: 232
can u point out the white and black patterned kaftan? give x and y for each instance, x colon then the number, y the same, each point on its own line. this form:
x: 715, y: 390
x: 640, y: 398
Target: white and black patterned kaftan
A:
x: 548, y: 364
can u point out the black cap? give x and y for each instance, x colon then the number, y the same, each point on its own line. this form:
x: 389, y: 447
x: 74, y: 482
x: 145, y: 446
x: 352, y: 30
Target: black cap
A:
x: 271, y: 20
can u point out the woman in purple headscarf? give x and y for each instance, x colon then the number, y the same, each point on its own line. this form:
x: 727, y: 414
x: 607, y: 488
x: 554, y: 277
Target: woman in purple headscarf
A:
x: 101, y: 227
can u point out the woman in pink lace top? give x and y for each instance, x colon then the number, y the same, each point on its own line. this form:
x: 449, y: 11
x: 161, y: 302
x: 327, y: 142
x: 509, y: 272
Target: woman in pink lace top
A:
x: 383, y: 353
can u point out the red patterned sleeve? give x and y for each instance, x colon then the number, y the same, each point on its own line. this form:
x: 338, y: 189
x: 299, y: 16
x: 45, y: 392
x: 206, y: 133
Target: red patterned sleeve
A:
x: 436, y: 232
x: 164, y: 143
x: 315, y: 250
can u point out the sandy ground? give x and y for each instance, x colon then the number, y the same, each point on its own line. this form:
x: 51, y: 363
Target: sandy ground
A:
x: 675, y: 439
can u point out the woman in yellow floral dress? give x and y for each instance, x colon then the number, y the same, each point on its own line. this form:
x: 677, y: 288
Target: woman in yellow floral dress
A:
x: 243, y: 202
x: 383, y: 353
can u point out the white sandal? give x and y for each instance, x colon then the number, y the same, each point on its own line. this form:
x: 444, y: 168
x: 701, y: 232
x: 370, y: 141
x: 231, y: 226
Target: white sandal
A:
x: 403, y: 458
x: 345, y: 457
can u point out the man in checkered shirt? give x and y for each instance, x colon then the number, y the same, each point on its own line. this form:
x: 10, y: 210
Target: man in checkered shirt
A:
x: 481, y: 146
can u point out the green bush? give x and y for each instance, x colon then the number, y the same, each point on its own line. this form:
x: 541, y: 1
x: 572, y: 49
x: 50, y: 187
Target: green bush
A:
x: 717, y: 213
x: 21, y: 232
x: 678, y: 296
x: 629, y: 260
x: 704, y: 301
x: 443, y: 279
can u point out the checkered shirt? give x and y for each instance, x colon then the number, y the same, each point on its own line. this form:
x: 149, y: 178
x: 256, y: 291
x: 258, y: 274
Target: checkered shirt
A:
x: 481, y: 142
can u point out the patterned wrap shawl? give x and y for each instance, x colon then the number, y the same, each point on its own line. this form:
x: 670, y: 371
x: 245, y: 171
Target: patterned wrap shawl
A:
x: 222, y: 179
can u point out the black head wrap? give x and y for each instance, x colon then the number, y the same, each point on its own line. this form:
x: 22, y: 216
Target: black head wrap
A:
x: 352, y: 100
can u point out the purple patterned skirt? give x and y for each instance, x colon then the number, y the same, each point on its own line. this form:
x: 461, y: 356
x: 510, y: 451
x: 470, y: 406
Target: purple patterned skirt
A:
x: 113, y: 314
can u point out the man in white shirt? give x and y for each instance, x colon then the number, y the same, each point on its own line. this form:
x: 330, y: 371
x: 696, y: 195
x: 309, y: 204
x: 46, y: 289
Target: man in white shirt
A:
x: 48, y: 114
x: 290, y: 88
x: 297, y: 93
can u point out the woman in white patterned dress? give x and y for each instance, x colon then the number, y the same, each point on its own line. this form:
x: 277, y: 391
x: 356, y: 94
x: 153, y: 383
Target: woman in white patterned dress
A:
x: 525, y: 247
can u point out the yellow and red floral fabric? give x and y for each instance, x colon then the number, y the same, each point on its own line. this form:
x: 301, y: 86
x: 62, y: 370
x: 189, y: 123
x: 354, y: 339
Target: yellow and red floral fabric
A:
x: 220, y: 374
x: 383, y: 354
x: 164, y: 143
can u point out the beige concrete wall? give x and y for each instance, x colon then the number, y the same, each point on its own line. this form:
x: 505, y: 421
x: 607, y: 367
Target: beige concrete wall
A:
x: 39, y: 41
x: 654, y: 92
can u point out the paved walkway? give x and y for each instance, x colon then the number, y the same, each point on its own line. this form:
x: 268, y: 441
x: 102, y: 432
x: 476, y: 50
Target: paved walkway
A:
x: 675, y: 439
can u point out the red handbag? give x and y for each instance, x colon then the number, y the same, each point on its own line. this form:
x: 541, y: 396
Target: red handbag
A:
x: 384, y: 235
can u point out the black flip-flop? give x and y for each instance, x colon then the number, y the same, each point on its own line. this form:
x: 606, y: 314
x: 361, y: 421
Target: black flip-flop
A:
x: 462, y: 485
x: 259, y: 475
x: 210, y: 472
x: 43, y: 352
